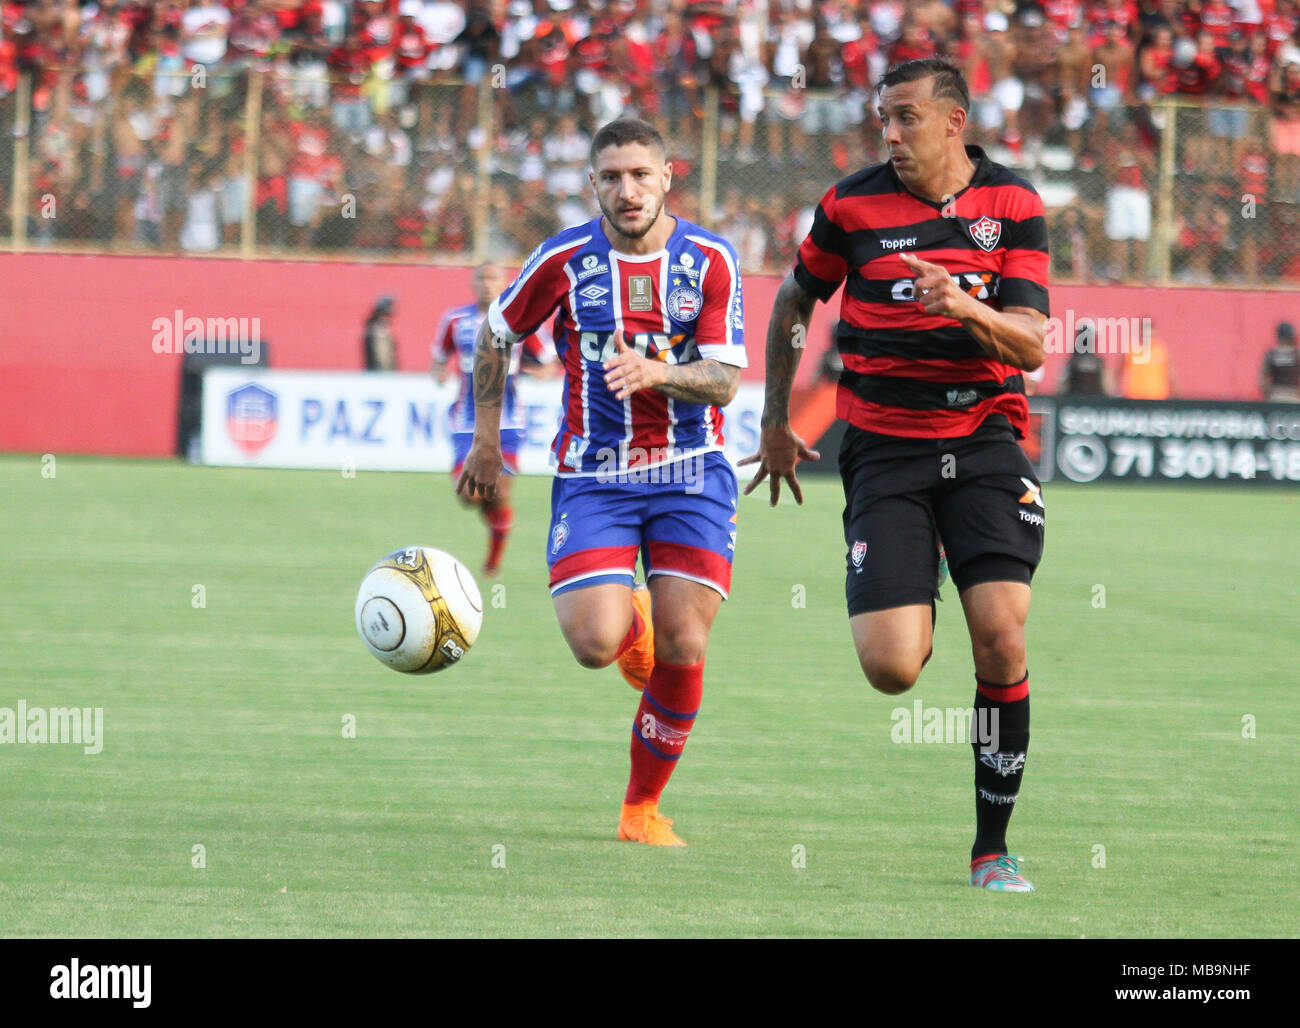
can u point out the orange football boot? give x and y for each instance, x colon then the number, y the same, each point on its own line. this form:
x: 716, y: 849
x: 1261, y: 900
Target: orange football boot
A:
x: 638, y: 660
x: 642, y: 822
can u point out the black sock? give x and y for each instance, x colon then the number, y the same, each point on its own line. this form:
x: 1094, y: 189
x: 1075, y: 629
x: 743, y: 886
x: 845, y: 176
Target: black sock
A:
x: 1000, y: 738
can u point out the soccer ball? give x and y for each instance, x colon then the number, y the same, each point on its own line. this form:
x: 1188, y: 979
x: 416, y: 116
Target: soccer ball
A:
x: 419, y: 610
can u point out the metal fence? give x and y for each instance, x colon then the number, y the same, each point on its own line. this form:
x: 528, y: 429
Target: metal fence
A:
x: 277, y: 163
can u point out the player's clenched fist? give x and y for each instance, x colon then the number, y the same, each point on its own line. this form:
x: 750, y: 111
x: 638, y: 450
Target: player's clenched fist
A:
x: 627, y: 371
x: 481, y: 472
x: 935, y: 289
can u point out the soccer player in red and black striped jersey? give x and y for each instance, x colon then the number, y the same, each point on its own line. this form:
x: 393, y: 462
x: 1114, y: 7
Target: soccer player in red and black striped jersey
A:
x: 943, y: 257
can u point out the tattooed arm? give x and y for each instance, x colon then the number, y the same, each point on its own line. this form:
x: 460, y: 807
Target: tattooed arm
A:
x: 705, y: 381
x: 484, y: 464
x: 779, y: 448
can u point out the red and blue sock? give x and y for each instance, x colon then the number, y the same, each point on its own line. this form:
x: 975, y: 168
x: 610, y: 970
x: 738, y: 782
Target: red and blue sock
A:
x: 663, y: 723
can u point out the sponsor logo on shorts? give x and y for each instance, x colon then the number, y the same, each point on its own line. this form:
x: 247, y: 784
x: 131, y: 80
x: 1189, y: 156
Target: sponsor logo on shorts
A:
x: 1030, y: 517
x: 858, y: 553
x: 559, y: 535
x: 1003, y: 763
x: 998, y: 797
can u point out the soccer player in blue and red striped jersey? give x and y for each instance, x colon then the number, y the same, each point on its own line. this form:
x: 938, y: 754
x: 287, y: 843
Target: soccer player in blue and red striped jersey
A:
x: 455, y: 338
x: 943, y: 258
x: 651, y: 337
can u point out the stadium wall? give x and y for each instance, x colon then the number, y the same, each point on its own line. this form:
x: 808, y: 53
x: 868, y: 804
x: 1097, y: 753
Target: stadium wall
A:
x: 81, y: 375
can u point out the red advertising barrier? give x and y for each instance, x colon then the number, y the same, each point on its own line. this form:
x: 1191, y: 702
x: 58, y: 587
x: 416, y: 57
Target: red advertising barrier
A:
x: 80, y: 373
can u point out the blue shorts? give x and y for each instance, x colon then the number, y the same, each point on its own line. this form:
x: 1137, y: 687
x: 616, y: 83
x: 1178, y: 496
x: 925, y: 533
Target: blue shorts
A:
x: 511, y: 440
x: 680, y: 516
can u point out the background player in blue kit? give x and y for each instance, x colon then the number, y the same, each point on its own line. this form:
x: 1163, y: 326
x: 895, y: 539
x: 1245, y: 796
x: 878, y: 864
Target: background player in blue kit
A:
x: 651, y: 336
x: 455, y: 339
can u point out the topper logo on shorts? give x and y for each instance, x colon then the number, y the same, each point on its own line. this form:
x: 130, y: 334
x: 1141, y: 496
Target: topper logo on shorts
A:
x: 858, y: 553
x: 102, y: 981
x: 1034, y: 494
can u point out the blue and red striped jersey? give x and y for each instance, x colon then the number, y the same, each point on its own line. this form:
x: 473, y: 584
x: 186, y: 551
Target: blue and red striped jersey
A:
x: 456, y: 335
x: 679, y: 305
x: 908, y: 373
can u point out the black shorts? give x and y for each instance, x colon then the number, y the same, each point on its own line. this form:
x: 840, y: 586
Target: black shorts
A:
x: 978, y: 495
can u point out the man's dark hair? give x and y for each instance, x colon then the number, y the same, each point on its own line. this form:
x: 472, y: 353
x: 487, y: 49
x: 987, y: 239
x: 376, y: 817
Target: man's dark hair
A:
x: 949, y: 82
x: 1286, y: 332
x: 622, y: 131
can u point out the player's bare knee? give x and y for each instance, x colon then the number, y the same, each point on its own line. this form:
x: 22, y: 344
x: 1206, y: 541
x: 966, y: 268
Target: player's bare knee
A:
x: 890, y: 676
x: 590, y: 649
x: 682, y: 648
x: 1000, y: 653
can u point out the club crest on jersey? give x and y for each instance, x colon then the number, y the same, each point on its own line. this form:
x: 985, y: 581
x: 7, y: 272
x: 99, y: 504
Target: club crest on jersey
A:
x: 986, y: 232
x: 559, y: 536
x: 684, y: 303
x: 858, y: 554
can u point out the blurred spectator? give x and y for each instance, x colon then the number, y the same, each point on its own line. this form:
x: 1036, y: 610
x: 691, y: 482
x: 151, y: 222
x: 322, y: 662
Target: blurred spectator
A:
x: 1279, y: 377
x: 1085, y: 371
x: 1130, y: 170
x: 201, y: 231
x: 378, y: 345
x: 1148, y: 372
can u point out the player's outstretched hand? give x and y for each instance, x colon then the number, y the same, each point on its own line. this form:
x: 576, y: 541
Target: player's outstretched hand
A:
x: 481, y: 471
x: 627, y: 371
x: 779, y: 450
x: 936, y: 290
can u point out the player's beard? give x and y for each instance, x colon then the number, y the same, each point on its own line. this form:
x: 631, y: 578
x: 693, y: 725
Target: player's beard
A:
x: 639, y: 232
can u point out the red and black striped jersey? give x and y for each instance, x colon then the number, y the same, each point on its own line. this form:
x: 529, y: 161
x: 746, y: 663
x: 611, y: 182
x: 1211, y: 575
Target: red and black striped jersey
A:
x: 908, y: 373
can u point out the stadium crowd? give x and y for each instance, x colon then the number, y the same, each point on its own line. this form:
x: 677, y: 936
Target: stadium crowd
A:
x: 369, y: 130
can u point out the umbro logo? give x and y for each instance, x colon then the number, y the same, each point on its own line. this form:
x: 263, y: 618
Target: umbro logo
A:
x: 593, y: 292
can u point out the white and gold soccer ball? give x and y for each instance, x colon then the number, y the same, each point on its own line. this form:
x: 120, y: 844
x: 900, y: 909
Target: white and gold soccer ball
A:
x: 419, y: 610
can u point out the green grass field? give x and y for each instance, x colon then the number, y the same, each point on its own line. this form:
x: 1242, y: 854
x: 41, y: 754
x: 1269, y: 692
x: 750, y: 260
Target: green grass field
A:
x: 223, y: 728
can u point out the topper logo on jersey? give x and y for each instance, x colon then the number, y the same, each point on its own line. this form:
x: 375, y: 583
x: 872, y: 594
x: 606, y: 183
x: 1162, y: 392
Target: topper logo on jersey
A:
x: 986, y: 232
x: 982, y: 285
